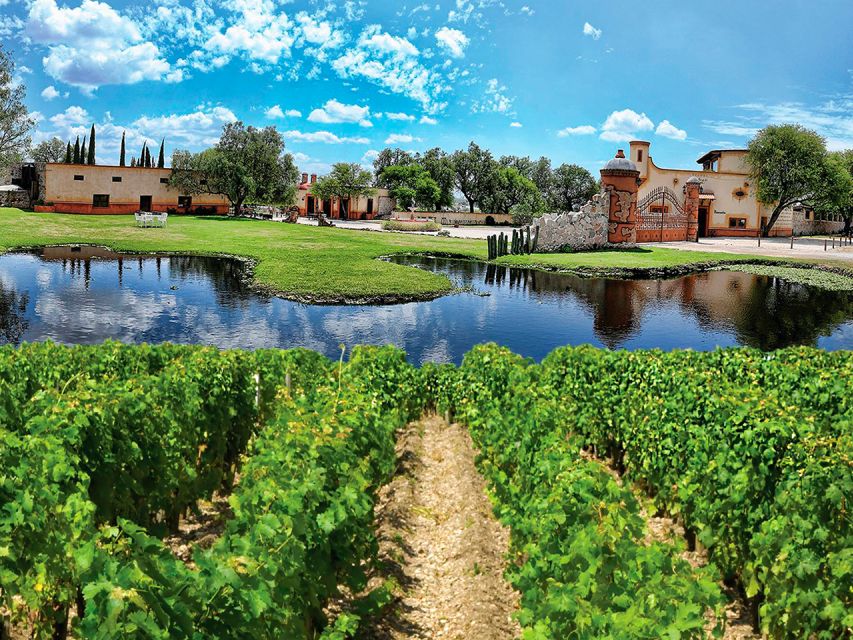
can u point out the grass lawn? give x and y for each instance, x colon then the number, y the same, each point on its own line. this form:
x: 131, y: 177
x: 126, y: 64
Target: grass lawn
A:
x: 307, y: 262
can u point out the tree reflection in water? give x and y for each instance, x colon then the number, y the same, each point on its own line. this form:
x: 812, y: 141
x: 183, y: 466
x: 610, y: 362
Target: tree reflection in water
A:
x: 13, y: 323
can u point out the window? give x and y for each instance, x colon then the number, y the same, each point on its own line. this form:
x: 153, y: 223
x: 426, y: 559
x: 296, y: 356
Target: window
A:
x: 164, y: 180
x: 185, y: 201
x: 101, y: 200
x: 78, y: 177
x: 639, y: 155
x: 737, y: 223
x: 116, y: 178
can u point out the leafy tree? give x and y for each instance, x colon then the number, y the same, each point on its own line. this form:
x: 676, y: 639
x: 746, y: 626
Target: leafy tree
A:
x: 141, y: 161
x: 90, y: 159
x: 788, y: 167
x: 161, y: 158
x: 77, y: 151
x: 121, y: 153
x: 346, y: 180
x: 15, y: 121
x: 440, y: 168
x: 571, y: 185
x: 147, y: 157
x: 508, y: 189
x: 69, y: 153
x: 53, y: 150
x: 473, y: 172
x: 388, y: 158
x: 133, y: 161
x: 246, y: 165
x: 83, y: 154
x: 411, y: 185
x: 838, y: 186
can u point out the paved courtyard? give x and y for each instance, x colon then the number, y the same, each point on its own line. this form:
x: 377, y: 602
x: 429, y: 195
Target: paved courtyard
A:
x: 810, y: 248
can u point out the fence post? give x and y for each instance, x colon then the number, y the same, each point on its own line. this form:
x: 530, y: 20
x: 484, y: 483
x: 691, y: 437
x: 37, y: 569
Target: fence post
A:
x: 792, y: 239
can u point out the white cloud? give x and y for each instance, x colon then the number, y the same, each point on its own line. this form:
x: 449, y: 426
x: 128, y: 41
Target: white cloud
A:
x: 589, y: 30
x: 334, y: 112
x: 50, y: 93
x: 624, y: 125
x: 385, y: 62
x: 453, y: 41
x: 276, y: 111
x: 73, y: 115
x: 428, y: 120
x: 325, y: 137
x: 582, y: 130
x: 320, y: 36
x: 405, y: 117
x: 94, y: 45
x: 730, y: 128
x: 258, y: 31
x: 200, y: 128
x: 516, y: 125
x: 525, y: 10
x: 669, y: 130
x: 401, y: 138
x: 495, y: 99
x: 369, y: 156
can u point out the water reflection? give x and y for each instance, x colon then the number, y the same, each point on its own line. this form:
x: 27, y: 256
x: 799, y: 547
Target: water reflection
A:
x: 89, y: 295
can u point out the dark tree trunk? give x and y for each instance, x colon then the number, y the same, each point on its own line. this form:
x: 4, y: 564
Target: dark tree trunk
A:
x: 773, y: 218
x: 470, y: 205
x: 847, y: 224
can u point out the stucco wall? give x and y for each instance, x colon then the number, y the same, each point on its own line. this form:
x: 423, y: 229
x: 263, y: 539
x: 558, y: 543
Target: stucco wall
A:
x: 62, y: 193
x: 455, y: 217
x: 382, y: 202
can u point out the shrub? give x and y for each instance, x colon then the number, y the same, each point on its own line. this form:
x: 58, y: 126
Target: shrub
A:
x: 401, y: 225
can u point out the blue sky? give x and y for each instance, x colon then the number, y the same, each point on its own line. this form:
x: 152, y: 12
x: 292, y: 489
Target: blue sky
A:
x: 342, y: 79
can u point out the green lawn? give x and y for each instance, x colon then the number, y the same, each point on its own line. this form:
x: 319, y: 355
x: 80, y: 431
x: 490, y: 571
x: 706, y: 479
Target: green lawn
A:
x: 307, y: 262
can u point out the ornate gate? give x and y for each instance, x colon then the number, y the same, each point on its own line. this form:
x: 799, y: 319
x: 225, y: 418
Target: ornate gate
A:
x: 661, y: 217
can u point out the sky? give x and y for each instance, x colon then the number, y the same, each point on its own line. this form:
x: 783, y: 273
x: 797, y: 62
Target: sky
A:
x: 343, y: 79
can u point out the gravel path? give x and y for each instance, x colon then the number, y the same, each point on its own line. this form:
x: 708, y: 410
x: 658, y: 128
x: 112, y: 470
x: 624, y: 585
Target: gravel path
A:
x: 439, y: 538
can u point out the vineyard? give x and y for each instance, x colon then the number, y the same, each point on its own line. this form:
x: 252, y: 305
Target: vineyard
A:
x: 106, y: 450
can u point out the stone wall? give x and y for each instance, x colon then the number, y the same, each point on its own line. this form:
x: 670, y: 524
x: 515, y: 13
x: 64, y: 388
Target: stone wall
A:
x: 577, y: 231
x: 17, y: 198
x: 803, y: 227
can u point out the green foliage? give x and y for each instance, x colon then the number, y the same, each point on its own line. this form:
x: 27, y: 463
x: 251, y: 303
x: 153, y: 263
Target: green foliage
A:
x: 345, y: 180
x: 473, y: 173
x: 53, y: 150
x: 122, y: 151
x: 571, y: 185
x: 246, y: 165
x: 403, y: 225
x: 90, y: 159
x: 411, y: 185
x: 15, y: 120
x: 508, y: 189
x: 811, y: 277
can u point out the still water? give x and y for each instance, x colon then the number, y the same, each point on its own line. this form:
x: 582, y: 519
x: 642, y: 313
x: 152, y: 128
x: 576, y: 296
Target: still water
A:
x: 89, y: 295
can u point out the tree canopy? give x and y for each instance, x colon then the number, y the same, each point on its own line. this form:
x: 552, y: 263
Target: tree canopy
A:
x: 246, y: 165
x: 570, y: 186
x: 52, y: 150
x: 411, y: 185
x: 15, y: 121
x: 789, y: 165
x: 473, y: 169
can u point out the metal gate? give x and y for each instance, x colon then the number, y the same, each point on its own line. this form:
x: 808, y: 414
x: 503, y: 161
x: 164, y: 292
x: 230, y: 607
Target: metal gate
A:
x: 661, y: 217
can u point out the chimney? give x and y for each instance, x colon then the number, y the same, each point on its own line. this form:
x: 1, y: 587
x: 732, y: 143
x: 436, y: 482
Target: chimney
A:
x: 304, y: 178
x: 620, y: 154
x: 313, y: 178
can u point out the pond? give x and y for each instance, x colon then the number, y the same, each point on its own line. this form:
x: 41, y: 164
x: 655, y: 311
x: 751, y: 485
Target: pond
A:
x: 86, y: 295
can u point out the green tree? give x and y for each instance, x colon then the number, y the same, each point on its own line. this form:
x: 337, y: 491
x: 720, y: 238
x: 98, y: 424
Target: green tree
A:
x: 53, y: 150
x: 133, y: 161
x: 122, y: 151
x: 473, y: 173
x: 77, y: 150
x: 161, y: 158
x: 15, y: 121
x: 90, y: 159
x: 411, y: 185
x: 69, y: 153
x: 346, y: 180
x: 571, y: 185
x: 787, y: 164
x: 440, y: 168
x: 388, y: 158
x: 507, y: 190
x: 838, y: 187
x: 83, y: 154
x: 246, y: 165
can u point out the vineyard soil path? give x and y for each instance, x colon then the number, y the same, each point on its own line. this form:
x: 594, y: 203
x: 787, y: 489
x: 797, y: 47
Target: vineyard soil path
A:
x: 440, y: 540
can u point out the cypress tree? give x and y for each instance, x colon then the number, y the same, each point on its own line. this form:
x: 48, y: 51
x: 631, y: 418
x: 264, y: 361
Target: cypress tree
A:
x: 83, y: 152
x: 141, y: 161
x: 91, y: 157
x: 161, y: 159
x: 77, y: 151
x: 68, y: 153
x: 132, y: 161
x: 147, y: 158
x: 121, y: 153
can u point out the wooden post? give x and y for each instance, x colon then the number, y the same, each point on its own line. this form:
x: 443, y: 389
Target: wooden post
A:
x: 792, y: 239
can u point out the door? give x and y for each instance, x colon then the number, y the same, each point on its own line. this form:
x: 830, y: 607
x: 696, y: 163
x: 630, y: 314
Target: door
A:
x: 369, y: 207
x: 703, y: 222
x: 309, y: 206
x: 145, y: 203
x: 327, y: 208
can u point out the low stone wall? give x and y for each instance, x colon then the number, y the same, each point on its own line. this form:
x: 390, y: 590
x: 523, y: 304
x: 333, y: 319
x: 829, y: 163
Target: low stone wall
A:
x: 455, y: 217
x: 577, y: 231
x: 803, y: 227
x: 17, y: 198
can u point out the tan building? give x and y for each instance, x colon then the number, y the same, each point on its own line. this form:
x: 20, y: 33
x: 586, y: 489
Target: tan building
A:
x: 103, y: 189
x: 727, y: 203
x: 362, y: 208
